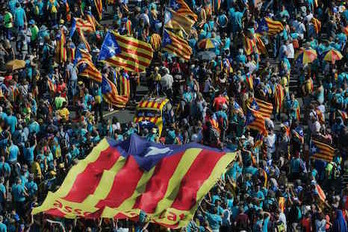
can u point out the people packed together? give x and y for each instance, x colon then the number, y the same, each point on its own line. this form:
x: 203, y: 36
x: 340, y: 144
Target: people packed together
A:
x: 267, y: 78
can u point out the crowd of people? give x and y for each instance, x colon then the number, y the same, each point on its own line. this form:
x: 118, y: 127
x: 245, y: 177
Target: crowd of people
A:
x: 51, y: 117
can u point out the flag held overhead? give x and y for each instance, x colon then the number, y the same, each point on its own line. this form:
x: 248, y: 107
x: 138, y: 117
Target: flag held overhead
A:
x: 122, y: 51
x: 165, y: 182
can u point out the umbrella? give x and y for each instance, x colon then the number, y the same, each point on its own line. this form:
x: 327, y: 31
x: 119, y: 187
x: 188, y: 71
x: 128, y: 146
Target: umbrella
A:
x: 306, y: 56
x: 15, y: 64
x: 206, y: 55
x: 332, y: 55
x: 208, y: 43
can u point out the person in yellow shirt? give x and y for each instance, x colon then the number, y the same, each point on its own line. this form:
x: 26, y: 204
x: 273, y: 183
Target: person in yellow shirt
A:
x: 36, y: 169
x: 285, y: 83
x: 64, y: 112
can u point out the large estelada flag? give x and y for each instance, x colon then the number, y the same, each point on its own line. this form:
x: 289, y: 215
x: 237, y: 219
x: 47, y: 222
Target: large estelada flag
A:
x: 180, y: 7
x: 126, y: 52
x: 99, y: 7
x: 261, y: 106
x: 321, y: 151
x: 119, y: 180
x: 175, y: 45
x: 61, y: 51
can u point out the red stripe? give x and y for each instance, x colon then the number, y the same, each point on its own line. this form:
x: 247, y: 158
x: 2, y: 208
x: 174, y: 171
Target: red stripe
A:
x: 124, y: 184
x: 139, y: 62
x: 55, y: 212
x: 129, y: 66
x: 153, y: 104
x: 193, y: 180
x: 147, y: 104
x: 135, y: 52
x: 92, y: 175
x: 183, y: 45
x: 129, y: 42
x: 156, y: 187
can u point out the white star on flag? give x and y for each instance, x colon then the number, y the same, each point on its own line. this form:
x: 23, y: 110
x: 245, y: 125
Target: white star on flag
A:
x: 167, y: 40
x: 313, y: 149
x: 251, y: 118
x: 112, y: 49
x: 264, y: 28
x: 145, y: 122
x: 175, y: 6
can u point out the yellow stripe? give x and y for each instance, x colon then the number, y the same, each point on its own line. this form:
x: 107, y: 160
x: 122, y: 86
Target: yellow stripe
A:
x: 216, y: 173
x: 71, y: 177
x: 141, y: 187
x: 80, y: 167
x: 173, y: 185
x: 105, y: 185
x: 125, y: 62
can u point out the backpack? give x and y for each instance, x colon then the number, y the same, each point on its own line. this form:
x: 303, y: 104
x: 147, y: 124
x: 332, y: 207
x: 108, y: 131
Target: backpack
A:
x: 279, y: 226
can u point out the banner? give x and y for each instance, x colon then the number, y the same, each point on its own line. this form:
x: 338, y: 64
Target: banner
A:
x: 119, y: 180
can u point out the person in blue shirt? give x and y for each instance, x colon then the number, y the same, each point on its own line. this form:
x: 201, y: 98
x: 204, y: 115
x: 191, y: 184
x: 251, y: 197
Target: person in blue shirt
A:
x: 13, y: 151
x: 3, y: 227
x: 20, y: 18
x: 2, y: 194
x: 11, y: 121
x: 214, y: 220
x: 28, y: 152
x: 5, y: 169
x: 31, y: 186
x: 19, y: 196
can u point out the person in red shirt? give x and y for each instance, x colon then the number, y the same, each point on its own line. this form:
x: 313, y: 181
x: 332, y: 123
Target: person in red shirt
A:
x: 219, y: 101
x: 306, y: 223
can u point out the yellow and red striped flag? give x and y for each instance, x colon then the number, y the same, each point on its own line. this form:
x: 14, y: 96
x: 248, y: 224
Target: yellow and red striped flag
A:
x: 263, y: 107
x: 173, y: 20
x: 83, y: 39
x: 281, y: 203
x: 316, y: 24
x: 71, y: 52
x: 165, y: 182
x: 274, y: 27
x: 175, y: 45
x: 87, y: 69
x: 279, y: 98
x: 61, y: 51
x: 99, y: 7
x: 180, y: 7
x: 261, y: 47
x: 255, y: 121
x: 126, y: 52
x: 321, y: 151
x: 110, y: 94
x: 51, y: 85
x: 343, y: 115
x: 249, y: 45
x: 124, y: 84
